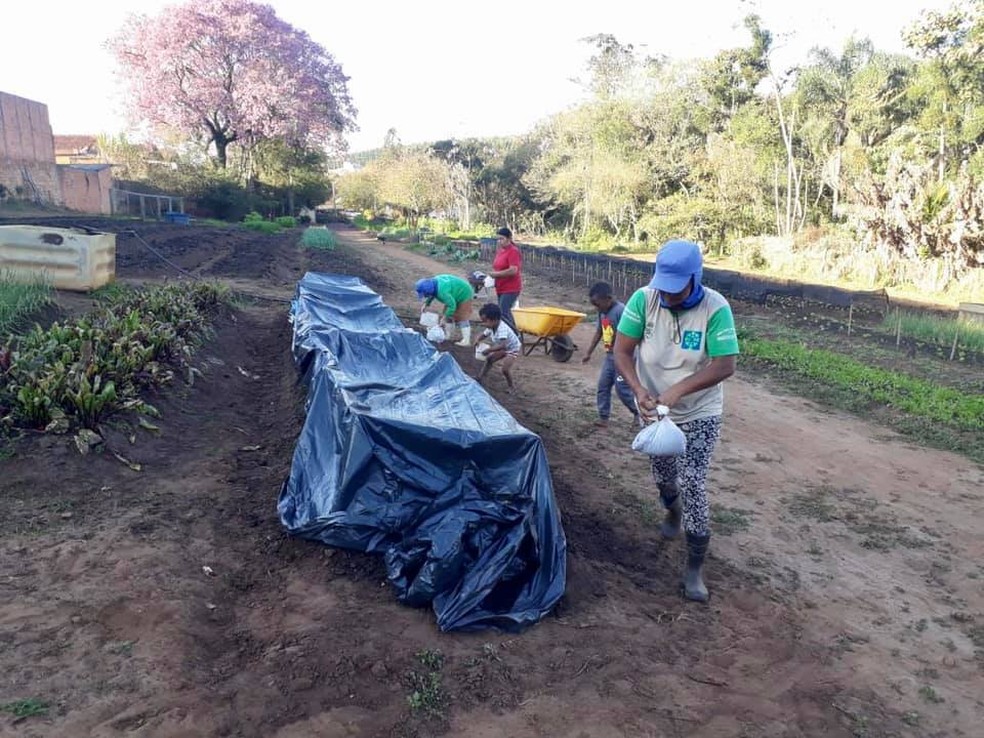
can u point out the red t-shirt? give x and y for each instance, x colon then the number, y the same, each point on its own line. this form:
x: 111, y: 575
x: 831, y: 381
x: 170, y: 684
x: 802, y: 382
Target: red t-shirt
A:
x: 505, y: 258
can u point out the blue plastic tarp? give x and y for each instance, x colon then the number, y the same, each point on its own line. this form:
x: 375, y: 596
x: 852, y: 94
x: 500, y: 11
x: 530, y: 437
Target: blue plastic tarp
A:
x: 404, y: 455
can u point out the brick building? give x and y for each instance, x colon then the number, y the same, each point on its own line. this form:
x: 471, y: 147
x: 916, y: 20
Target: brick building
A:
x: 28, y: 168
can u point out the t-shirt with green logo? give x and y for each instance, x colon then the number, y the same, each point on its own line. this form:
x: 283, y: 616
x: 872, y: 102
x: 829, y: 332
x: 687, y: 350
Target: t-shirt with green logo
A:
x: 673, y: 344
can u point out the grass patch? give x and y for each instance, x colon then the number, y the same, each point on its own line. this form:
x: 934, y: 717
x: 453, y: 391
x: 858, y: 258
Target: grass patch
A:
x: 368, y: 224
x: 644, y: 510
x: 858, y: 514
x: 213, y: 222
x: 393, y: 233
x: 19, y: 300
x: 976, y: 636
x: 26, y: 708
x: 814, y: 505
x: 319, y: 238
x: 730, y: 520
x: 111, y: 293
x: 936, y: 329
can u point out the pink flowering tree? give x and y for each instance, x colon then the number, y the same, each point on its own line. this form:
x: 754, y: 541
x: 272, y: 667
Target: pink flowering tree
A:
x: 231, y: 71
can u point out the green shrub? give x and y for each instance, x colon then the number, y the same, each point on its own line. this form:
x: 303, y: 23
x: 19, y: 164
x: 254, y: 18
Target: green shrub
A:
x: 395, y: 233
x: 286, y: 221
x: 255, y: 222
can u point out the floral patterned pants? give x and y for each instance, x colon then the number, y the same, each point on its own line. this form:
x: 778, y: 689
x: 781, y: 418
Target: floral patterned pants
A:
x: 689, y: 469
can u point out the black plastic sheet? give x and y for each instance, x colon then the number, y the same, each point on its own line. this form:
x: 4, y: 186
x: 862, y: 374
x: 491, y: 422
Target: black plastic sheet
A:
x: 405, y: 455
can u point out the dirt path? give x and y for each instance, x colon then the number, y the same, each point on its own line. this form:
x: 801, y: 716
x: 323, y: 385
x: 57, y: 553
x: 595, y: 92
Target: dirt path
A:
x: 874, y: 543
x: 847, y: 586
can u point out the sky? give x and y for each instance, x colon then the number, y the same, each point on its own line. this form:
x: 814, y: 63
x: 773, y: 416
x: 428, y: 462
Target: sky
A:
x: 434, y: 69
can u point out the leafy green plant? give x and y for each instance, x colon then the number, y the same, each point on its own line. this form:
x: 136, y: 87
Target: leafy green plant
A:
x: 319, y: 238
x: 427, y: 693
x: 88, y: 368
x: 909, y: 394
x: 286, y: 221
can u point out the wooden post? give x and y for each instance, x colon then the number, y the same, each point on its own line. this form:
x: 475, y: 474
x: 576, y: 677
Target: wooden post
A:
x: 850, y: 318
x: 898, y: 327
x: 953, y: 349
x: 143, y: 208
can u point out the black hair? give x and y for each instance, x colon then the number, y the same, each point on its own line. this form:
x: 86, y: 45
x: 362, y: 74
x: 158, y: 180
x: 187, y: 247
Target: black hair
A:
x: 600, y: 290
x: 490, y: 311
x: 504, y: 232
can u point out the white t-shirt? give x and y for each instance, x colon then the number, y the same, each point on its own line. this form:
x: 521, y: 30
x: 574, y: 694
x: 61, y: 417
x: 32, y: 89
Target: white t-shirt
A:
x: 504, y: 333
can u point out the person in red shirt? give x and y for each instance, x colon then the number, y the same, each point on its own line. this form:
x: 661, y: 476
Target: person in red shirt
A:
x: 507, y: 272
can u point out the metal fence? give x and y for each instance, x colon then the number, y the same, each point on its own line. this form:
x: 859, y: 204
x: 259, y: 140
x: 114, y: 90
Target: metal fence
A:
x: 125, y: 202
x: 626, y: 275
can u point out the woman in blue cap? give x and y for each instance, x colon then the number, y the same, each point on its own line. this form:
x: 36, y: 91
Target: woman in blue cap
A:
x: 687, y: 346
x: 456, y: 294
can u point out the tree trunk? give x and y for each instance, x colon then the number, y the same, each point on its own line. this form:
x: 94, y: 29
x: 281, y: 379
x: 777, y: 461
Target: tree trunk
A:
x: 221, y: 146
x: 942, y: 162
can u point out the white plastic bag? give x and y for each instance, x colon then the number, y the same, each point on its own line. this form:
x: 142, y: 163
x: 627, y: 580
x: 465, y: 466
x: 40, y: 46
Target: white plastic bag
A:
x: 480, y: 351
x: 428, y: 319
x: 489, y: 283
x: 662, y: 438
x: 436, y: 334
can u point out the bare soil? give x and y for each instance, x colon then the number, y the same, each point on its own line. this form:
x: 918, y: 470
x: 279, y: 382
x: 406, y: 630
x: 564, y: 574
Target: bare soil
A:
x: 847, y: 572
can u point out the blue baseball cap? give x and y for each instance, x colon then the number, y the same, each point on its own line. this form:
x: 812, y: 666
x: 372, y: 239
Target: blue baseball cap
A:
x: 426, y: 287
x: 676, y: 264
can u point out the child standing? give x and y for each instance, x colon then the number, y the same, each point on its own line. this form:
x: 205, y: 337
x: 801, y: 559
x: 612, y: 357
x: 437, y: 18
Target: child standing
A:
x: 505, y: 344
x: 609, y: 313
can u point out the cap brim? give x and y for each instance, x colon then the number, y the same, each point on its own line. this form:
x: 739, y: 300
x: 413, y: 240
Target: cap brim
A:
x: 670, y: 283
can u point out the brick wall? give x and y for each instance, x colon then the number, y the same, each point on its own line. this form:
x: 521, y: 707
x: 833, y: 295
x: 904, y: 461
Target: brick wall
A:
x: 27, y: 149
x: 86, y: 189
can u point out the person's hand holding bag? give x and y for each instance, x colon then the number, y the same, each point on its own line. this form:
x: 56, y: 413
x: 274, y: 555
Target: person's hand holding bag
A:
x: 661, y: 438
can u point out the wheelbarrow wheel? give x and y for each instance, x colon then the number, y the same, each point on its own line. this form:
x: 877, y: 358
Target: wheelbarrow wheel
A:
x: 562, y: 348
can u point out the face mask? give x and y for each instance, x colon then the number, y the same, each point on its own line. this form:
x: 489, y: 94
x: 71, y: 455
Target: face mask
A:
x: 693, y: 299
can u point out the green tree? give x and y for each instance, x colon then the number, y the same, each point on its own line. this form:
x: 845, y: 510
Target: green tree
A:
x: 948, y: 85
x: 732, y: 76
x: 415, y: 182
x: 358, y: 190
x: 299, y: 172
